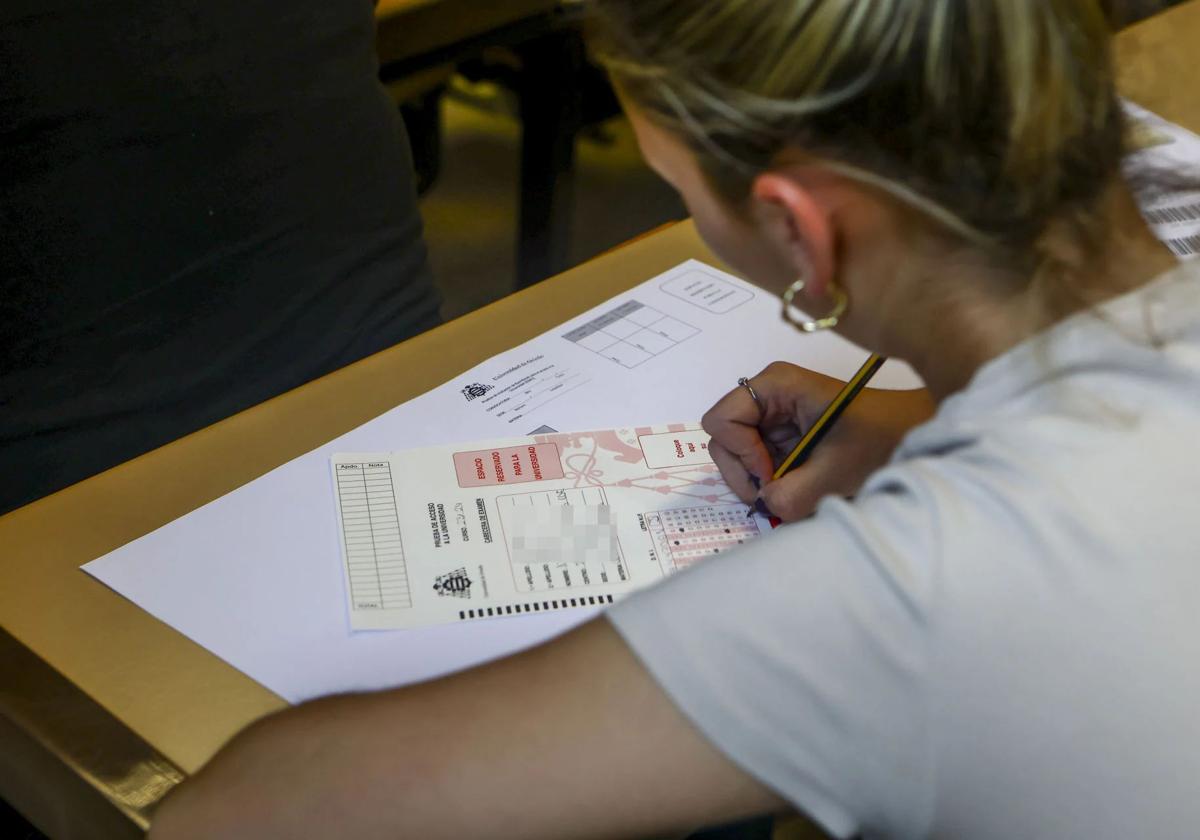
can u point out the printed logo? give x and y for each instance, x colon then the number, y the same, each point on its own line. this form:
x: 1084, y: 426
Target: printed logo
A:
x: 454, y: 584
x: 476, y: 390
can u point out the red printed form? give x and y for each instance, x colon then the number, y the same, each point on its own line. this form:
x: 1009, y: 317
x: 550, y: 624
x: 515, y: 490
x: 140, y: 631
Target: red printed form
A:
x: 546, y: 523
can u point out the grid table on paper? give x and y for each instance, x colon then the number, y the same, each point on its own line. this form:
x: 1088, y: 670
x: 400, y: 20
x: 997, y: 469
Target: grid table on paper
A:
x: 371, y: 530
x: 631, y: 334
x: 691, y: 534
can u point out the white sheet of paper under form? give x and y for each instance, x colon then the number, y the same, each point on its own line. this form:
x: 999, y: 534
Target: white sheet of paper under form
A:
x: 256, y: 576
x: 206, y: 573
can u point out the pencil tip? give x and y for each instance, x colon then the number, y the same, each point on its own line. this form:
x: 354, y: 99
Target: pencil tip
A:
x: 759, y: 507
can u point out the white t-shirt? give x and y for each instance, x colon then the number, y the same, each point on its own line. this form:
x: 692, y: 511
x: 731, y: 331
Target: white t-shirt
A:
x: 1000, y: 636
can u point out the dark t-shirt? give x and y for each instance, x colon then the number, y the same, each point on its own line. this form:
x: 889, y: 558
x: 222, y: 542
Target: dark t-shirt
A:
x: 202, y: 204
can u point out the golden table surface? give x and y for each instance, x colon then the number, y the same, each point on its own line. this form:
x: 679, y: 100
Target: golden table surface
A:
x: 102, y: 707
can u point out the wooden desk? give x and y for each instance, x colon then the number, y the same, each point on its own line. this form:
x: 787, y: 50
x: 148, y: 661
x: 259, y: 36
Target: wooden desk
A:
x: 102, y: 707
x: 1156, y: 60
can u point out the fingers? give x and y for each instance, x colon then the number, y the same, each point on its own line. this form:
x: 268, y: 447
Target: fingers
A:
x: 750, y: 430
x: 737, y: 444
x: 734, y: 472
x: 749, y: 437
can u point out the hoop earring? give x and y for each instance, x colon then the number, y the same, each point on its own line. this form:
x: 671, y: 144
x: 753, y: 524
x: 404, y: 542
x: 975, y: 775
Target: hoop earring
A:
x: 841, y: 302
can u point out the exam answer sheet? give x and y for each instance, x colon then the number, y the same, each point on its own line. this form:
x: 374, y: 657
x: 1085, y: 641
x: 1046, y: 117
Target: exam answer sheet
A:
x: 660, y: 353
x: 553, y: 521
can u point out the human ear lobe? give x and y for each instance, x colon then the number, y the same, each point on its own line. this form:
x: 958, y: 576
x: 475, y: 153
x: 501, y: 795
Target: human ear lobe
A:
x: 802, y: 228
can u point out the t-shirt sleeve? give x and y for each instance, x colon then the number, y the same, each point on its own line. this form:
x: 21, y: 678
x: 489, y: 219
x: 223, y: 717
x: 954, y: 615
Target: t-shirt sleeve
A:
x: 804, y: 657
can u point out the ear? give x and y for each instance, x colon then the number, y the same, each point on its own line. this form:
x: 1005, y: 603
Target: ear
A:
x: 802, y: 227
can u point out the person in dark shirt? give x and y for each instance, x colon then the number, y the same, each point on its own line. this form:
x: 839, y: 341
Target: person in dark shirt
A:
x: 202, y: 205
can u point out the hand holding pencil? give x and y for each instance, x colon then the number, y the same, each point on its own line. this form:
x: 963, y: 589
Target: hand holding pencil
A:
x: 751, y: 441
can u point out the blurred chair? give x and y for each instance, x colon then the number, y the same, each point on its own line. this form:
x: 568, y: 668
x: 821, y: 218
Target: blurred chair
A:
x: 533, y: 47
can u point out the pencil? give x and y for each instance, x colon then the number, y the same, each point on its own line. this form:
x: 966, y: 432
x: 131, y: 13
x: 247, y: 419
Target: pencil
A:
x: 804, y: 449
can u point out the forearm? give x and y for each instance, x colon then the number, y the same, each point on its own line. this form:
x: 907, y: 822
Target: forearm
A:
x: 570, y: 740
x: 285, y: 775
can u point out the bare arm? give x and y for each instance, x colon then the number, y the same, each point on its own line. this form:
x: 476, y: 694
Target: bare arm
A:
x: 572, y: 739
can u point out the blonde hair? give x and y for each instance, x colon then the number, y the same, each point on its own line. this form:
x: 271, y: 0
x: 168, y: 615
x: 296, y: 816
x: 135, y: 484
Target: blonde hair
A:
x: 991, y: 117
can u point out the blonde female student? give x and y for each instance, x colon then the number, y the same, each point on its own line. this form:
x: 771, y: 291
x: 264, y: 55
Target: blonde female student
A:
x: 998, y: 635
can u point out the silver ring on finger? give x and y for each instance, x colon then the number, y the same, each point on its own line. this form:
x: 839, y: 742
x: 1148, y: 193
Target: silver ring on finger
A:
x: 744, y: 382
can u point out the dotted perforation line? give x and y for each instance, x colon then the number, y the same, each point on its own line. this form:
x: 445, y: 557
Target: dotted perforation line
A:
x: 535, y: 607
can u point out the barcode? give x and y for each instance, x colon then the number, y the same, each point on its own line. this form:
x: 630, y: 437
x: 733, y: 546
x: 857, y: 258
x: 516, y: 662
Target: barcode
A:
x: 1185, y: 246
x: 535, y: 606
x: 1167, y: 215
